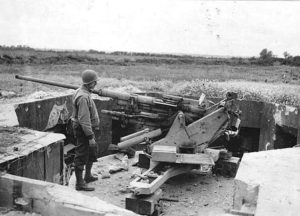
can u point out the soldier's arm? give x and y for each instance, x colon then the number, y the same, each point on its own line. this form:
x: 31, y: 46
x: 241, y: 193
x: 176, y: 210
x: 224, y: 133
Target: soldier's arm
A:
x: 84, y: 117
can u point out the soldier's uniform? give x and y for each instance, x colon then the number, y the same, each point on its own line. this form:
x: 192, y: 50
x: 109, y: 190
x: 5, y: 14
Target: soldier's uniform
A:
x: 84, y: 119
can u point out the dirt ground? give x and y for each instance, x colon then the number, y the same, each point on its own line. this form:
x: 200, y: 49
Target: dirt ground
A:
x: 194, y: 193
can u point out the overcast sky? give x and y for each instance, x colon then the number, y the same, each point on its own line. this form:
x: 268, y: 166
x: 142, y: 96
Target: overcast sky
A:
x: 234, y: 28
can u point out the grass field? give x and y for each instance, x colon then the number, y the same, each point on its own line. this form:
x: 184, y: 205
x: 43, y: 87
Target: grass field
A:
x: 279, y: 84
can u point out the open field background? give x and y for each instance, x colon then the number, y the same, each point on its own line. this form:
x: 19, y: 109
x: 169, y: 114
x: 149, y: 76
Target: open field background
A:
x: 184, y: 75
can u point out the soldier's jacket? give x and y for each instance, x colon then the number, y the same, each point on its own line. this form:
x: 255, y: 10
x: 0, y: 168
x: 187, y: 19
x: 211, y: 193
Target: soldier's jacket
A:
x: 84, y: 111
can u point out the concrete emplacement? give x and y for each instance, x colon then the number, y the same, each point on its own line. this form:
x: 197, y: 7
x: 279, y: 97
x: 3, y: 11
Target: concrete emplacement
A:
x: 265, y: 126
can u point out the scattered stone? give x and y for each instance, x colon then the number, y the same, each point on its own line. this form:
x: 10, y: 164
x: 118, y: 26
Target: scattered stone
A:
x: 104, y: 174
x: 124, y: 190
x: 113, y: 169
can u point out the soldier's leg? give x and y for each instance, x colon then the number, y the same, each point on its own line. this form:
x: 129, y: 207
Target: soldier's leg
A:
x: 81, y: 157
x: 88, y: 167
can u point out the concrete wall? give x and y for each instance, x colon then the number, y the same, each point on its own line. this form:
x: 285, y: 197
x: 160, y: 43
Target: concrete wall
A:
x: 37, y: 155
x: 278, y: 124
x: 36, y: 114
x: 270, y: 119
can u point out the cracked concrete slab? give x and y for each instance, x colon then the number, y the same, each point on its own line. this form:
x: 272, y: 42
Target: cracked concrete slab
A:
x: 268, y: 183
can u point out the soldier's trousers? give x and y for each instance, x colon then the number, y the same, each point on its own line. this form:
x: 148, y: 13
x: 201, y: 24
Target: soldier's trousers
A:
x: 83, y: 152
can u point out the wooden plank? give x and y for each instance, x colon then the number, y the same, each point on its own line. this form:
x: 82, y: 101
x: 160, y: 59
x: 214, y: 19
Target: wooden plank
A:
x: 53, y: 199
x: 199, y: 158
x: 164, y: 153
x: 144, y: 205
x: 139, y: 187
x: 267, y: 128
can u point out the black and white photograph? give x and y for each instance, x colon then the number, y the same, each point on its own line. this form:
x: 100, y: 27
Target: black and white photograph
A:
x: 149, y: 107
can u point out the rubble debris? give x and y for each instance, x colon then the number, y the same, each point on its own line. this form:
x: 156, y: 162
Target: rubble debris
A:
x: 24, y: 204
x: 124, y: 190
x: 22, y: 201
x: 122, y: 165
x: 125, y: 163
x: 7, y: 94
x: 104, y: 174
x: 115, y: 168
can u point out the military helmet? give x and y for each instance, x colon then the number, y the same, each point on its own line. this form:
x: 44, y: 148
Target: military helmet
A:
x: 89, y: 76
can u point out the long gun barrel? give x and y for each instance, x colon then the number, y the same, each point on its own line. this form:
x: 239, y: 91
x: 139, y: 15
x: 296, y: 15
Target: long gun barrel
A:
x: 68, y: 86
x: 171, y: 102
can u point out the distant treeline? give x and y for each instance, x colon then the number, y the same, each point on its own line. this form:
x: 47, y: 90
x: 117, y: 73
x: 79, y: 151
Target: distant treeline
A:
x: 27, y: 55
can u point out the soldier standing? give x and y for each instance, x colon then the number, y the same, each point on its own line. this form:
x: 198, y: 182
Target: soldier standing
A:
x: 85, y: 119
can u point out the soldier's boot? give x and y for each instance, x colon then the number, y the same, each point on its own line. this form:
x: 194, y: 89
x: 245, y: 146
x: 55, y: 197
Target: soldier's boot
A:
x: 80, y: 183
x: 88, y: 175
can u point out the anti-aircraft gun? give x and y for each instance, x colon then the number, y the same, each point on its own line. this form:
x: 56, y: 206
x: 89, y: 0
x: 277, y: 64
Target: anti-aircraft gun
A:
x: 181, y: 130
x: 202, y: 120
